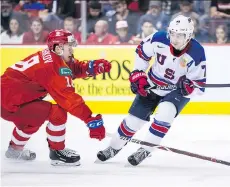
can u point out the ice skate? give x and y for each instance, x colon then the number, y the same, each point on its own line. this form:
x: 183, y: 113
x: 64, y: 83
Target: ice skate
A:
x: 137, y: 157
x: 19, y: 154
x: 107, y: 154
x: 65, y: 157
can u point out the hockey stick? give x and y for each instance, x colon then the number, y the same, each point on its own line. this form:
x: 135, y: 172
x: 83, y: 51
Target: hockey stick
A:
x: 217, y: 85
x: 174, y: 87
x: 178, y: 151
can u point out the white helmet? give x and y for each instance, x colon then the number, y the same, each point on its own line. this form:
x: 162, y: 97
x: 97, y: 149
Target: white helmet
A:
x: 182, y: 25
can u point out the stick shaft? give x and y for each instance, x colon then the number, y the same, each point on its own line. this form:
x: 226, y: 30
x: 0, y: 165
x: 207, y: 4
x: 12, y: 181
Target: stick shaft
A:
x: 174, y: 87
x: 178, y: 151
x: 217, y: 85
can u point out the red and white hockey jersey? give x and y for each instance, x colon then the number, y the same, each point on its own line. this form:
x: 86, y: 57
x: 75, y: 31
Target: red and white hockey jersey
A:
x: 39, y: 74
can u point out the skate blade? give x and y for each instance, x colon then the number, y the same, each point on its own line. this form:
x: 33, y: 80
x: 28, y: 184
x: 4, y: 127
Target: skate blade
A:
x: 128, y: 165
x: 61, y: 163
x: 97, y: 161
x: 17, y: 161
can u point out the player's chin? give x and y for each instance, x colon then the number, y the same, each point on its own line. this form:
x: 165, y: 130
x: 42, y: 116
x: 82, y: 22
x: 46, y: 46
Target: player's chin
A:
x: 70, y: 58
x: 177, y: 47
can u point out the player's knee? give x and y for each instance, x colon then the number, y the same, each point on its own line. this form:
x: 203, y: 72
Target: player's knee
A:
x: 162, y: 122
x: 58, y: 115
x: 30, y: 129
x: 166, y: 112
x: 134, y: 123
x: 130, y: 125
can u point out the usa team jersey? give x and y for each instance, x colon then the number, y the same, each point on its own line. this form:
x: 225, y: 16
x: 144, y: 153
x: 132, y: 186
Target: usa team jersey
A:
x: 167, y: 68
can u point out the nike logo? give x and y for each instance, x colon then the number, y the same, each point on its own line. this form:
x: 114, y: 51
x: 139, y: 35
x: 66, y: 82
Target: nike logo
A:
x: 160, y: 46
x: 177, y: 99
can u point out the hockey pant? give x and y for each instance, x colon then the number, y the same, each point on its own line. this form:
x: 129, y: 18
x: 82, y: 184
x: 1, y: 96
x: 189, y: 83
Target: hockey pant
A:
x: 30, y: 117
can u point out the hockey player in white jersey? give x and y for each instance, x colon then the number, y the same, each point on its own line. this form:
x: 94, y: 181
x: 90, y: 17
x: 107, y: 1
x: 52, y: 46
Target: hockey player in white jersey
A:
x: 179, y: 60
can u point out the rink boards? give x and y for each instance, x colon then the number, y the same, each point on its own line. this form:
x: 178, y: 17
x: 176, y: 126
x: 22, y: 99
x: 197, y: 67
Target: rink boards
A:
x: 110, y: 93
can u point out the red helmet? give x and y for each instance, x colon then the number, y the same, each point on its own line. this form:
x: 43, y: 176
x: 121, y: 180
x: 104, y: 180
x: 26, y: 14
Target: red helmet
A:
x: 61, y: 36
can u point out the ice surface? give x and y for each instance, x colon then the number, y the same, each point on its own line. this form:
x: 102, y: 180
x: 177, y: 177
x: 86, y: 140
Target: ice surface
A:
x: 203, y: 134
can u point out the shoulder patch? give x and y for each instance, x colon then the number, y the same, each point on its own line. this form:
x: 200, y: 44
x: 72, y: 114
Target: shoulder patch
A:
x: 64, y: 71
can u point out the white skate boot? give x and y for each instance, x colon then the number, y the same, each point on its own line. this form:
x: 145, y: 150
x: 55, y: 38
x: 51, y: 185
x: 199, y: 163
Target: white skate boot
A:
x: 19, y: 154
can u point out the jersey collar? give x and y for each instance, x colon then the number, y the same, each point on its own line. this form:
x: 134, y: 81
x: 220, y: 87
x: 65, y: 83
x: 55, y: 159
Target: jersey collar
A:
x: 182, y: 52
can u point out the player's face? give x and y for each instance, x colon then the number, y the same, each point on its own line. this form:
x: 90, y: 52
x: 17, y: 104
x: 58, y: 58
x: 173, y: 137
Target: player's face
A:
x: 177, y: 40
x: 68, y: 51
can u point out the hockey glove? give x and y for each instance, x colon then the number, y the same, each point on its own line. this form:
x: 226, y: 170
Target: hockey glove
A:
x: 186, y: 86
x: 96, y: 128
x: 98, y: 66
x: 139, y: 83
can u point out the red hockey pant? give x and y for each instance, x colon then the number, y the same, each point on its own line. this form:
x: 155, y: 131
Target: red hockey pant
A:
x: 30, y: 117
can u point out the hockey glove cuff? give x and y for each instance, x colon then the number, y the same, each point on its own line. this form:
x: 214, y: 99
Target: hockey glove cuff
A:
x: 98, y: 66
x: 139, y: 83
x: 186, y: 86
x: 96, y: 127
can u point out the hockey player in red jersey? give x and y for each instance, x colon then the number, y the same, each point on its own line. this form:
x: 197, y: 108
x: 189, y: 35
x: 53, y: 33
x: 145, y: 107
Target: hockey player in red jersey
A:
x: 26, y: 83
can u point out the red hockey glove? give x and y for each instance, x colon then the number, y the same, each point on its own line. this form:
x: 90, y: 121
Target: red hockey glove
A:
x: 98, y: 66
x: 139, y: 82
x: 186, y: 86
x: 96, y: 128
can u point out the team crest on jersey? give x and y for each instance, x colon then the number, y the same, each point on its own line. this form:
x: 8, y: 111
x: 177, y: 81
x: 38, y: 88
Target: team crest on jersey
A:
x: 161, y: 58
x: 64, y: 71
x: 183, y: 62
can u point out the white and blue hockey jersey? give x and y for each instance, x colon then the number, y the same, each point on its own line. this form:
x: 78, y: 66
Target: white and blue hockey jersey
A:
x: 167, y: 68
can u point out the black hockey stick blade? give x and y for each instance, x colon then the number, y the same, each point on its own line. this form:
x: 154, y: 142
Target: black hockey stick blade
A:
x: 178, y: 151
